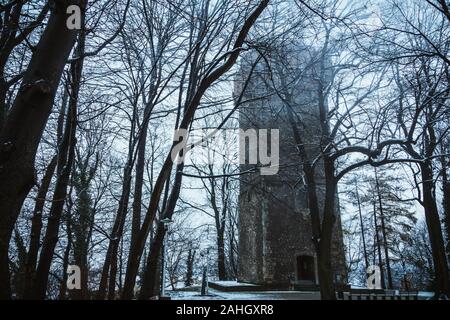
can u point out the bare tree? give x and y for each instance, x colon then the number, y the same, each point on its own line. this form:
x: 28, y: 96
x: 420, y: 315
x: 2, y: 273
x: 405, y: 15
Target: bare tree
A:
x: 216, y: 70
x: 22, y: 130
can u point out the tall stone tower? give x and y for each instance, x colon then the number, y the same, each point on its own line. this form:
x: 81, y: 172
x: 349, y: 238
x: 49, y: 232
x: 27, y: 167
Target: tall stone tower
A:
x: 275, y: 247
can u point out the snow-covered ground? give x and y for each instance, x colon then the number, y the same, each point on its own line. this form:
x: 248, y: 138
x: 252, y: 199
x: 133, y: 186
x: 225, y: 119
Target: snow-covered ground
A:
x: 244, y: 295
x: 231, y: 283
x: 194, y: 294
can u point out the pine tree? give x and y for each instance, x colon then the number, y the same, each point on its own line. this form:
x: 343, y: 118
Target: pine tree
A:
x: 386, y: 222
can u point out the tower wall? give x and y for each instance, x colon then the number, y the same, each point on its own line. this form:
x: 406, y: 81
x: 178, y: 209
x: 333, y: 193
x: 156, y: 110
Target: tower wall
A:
x: 275, y: 246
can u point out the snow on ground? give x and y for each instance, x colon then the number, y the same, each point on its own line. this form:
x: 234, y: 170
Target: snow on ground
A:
x: 426, y: 294
x: 230, y: 283
x: 194, y: 294
x: 244, y: 295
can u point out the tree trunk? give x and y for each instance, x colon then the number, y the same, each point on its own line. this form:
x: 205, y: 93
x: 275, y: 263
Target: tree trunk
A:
x: 36, y: 226
x: 134, y: 256
x: 219, y: 217
x: 36, y: 223
x: 83, y: 222
x: 3, y: 105
x: 363, y: 231
x: 149, y: 288
x: 65, y: 165
x: 190, y: 268
x: 63, y: 287
x: 136, y: 251
x: 221, y: 256
x: 150, y: 280
x: 116, y: 234
x: 434, y: 230
x: 14, y: 32
x: 383, y: 231
x: 446, y: 201
x: 139, y: 179
x: 65, y: 161
x: 204, y: 289
x: 326, y: 281
x: 116, y: 241
x: 231, y: 254
x: 113, y: 273
x: 378, y: 245
x: 23, y: 128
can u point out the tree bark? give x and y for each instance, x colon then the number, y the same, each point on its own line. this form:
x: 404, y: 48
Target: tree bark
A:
x: 434, y: 230
x: 220, y: 218
x: 36, y: 226
x: 190, y: 268
x: 151, y: 273
x: 221, y: 268
x: 82, y: 223
x: 446, y: 201
x: 138, y: 184
x: 326, y: 281
x: 378, y: 245
x: 116, y: 233
x: 65, y: 161
x: 383, y: 231
x: 13, y: 33
x: 150, y: 280
x: 23, y: 128
x: 63, y: 287
x: 65, y: 165
x: 363, y: 231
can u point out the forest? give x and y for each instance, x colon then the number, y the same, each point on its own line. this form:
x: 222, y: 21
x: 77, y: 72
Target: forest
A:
x: 92, y: 91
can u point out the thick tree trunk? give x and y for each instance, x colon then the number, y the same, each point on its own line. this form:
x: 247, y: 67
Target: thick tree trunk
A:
x: 139, y: 180
x: 36, y: 223
x: 113, y: 273
x: 23, y: 128
x: 134, y: 256
x: 151, y: 274
x: 434, y: 230
x: 326, y: 280
x: 115, y: 242
x: 446, y: 201
x: 14, y: 32
x: 36, y: 226
x: 65, y: 161
x: 65, y: 165
x: 150, y: 280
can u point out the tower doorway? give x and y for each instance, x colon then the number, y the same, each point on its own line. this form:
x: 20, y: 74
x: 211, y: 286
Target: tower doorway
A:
x: 306, y: 268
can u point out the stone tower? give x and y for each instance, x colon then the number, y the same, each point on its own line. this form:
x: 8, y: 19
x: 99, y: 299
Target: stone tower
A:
x: 275, y: 247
